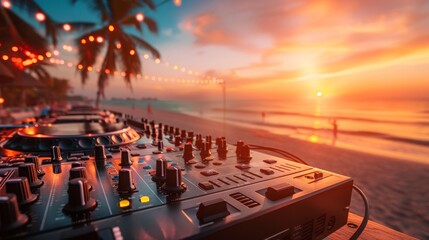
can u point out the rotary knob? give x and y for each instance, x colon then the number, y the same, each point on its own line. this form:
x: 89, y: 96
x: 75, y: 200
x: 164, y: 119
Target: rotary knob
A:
x: 125, y: 158
x: 35, y: 161
x: 166, y: 129
x: 160, y: 145
x: 76, y: 164
x: 183, y: 134
x: 21, y: 188
x: 209, y: 141
x: 205, y: 150
x: 79, y: 172
x: 222, y: 149
x: 239, y: 148
x: 79, y: 199
x: 28, y: 170
x: 100, y: 155
x: 177, y: 140
x: 126, y: 182
x: 188, y: 153
x: 173, y: 182
x: 245, y: 153
x: 177, y: 131
x: 199, y: 142
x: 161, y: 168
x: 56, y: 154
x: 11, y: 218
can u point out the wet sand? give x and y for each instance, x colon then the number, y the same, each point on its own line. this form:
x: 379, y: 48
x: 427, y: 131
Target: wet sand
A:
x: 398, y: 190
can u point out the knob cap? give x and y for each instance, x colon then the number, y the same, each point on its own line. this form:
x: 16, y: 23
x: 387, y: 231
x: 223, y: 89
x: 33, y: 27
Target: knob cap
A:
x: 79, y: 199
x: 183, y: 134
x: 21, y: 188
x: 56, y: 154
x: 188, y: 152
x: 28, y: 170
x: 160, y: 134
x: 79, y: 172
x: 173, y: 182
x: 100, y: 155
x: 76, y: 164
x: 177, y: 131
x: 11, y: 218
x: 166, y: 129
x: 239, y: 148
x: 160, y: 145
x: 199, y: 142
x: 245, y: 153
x: 205, y: 150
x: 171, y: 130
x: 161, y: 168
x: 126, y: 182
x: 125, y: 158
x: 35, y: 161
x: 222, y: 149
x: 209, y: 141
x: 177, y: 140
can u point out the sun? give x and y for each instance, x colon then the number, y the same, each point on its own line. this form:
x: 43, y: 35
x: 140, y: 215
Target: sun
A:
x: 319, y: 94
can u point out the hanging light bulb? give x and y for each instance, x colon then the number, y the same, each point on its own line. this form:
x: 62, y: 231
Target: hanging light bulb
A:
x: 132, y: 52
x: 6, y: 4
x: 40, y: 17
x: 140, y: 17
x: 100, y: 39
x: 66, y: 27
x: 111, y: 28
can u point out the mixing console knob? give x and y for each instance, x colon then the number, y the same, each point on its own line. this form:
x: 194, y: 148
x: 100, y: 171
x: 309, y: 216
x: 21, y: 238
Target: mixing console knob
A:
x: 199, y: 142
x: 76, y: 164
x: 160, y: 134
x: 188, y: 152
x: 28, y: 170
x: 166, y: 129
x: 21, y: 188
x: 11, y: 218
x: 35, y: 161
x: 56, y: 154
x: 173, y: 183
x: 161, y: 168
x: 171, y: 130
x: 222, y: 149
x: 79, y: 199
x: 78, y: 172
x: 189, y: 140
x: 218, y: 141
x: 147, y: 131
x: 245, y: 154
x: 153, y: 132
x: 177, y: 131
x: 126, y: 182
x: 125, y: 158
x: 191, y: 135
x: 177, y: 140
x: 205, y: 150
x: 183, y: 134
x: 160, y: 145
x: 209, y: 141
x: 100, y: 155
x: 239, y: 149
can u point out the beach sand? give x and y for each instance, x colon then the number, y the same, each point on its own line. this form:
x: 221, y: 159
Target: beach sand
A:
x: 398, y: 190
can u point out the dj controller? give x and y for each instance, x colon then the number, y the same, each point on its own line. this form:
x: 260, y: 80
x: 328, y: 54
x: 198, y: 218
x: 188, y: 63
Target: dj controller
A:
x: 90, y: 174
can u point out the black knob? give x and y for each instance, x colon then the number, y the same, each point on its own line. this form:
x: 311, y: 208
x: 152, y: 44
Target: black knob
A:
x: 160, y: 145
x: 177, y: 140
x: 100, y: 155
x: 28, y: 170
x: 218, y: 141
x: 161, y: 168
x: 79, y: 172
x: 177, y: 131
x: 35, y: 161
x: 79, y: 199
x: 239, y: 148
x: 191, y: 135
x: 21, y: 188
x: 147, y: 130
x: 173, y: 182
x: 166, y: 129
x: 11, y: 218
x: 199, y: 142
x: 222, y: 149
x: 153, y: 131
x: 171, y: 130
x: 126, y: 182
x: 188, y: 152
x: 205, y: 150
x: 190, y: 140
x: 125, y: 158
x: 209, y: 141
x: 76, y: 164
x: 160, y: 134
x: 183, y: 134
x: 245, y: 153
x: 56, y: 154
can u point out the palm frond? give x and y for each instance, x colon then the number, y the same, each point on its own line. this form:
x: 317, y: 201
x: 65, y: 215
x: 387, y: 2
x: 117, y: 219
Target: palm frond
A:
x: 145, y: 45
x: 132, y: 21
x: 97, y: 6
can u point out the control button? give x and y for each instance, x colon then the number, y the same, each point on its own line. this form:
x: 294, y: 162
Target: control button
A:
x: 206, y: 185
x: 126, y: 182
x: 279, y: 191
x: 56, y: 154
x: 35, y: 161
x: 161, y: 169
x: 144, y: 199
x: 217, y: 163
x: 242, y: 166
x: 79, y: 172
x: 212, y: 210
x: 147, y: 167
x: 318, y: 175
x: 200, y: 165
x: 199, y: 142
x: 100, y: 155
x: 84, y: 158
x: 125, y: 158
x: 270, y: 161
x: 205, y: 150
x: 76, y: 164
x: 169, y: 149
x: 71, y: 159
x: 11, y: 218
x: 222, y: 148
x: 245, y: 153
x: 173, y: 182
x: 141, y: 146
x: 79, y: 199
x: 28, y: 170
x: 210, y: 172
x: 21, y: 189
x: 239, y: 148
x: 188, y: 152
x: 124, y: 203
x: 177, y: 140
x: 135, y: 154
x: 267, y: 171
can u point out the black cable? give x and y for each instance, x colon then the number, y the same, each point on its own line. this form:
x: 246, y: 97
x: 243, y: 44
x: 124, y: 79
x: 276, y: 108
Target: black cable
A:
x: 366, y: 215
x: 294, y: 158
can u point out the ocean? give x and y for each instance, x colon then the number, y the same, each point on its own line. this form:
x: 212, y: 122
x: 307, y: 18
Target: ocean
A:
x: 398, y: 129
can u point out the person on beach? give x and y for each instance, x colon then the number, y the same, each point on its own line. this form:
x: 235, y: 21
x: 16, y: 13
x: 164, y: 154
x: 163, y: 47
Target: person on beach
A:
x: 149, y: 109
x: 334, y: 127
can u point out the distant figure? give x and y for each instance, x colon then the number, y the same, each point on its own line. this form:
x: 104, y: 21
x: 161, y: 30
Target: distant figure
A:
x: 263, y: 114
x: 149, y: 109
x: 334, y: 127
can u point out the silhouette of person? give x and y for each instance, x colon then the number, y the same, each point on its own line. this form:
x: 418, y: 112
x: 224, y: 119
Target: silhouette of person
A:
x: 334, y: 127
x: 263, y: 114
x: 149, y: 109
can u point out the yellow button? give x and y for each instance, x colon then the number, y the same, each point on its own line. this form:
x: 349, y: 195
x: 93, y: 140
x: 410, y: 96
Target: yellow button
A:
x: 124, y: 203
x: 144, y: 199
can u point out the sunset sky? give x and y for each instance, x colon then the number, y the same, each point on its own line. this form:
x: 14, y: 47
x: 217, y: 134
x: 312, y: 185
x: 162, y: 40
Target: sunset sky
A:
x: 276, y: 49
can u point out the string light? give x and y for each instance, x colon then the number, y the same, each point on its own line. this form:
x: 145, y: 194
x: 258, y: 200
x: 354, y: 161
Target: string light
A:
x: 66, y: 27
x: 40, y: 57
x: 146, y: 56
x: 14, y: 49
x: 91, y: 38
x: 83, y: 41
x: 157, y: 60
x: 89, y: 68
x: 5, y: 57
x: 48, y: 54
x: 56, y: 52
x: 140, y: 17
x: 111, y: 28
x: 132, y: 52
x: 177, y: 2
x: 100, y: 39
x: 107, y: 71
x: 40, y: 17
x: 6, y: 4
x: 118, y: 45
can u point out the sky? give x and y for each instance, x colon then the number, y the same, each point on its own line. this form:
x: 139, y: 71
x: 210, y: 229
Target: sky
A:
x: 274, y: 50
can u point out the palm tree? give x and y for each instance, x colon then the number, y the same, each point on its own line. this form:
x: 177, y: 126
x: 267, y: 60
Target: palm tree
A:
x: 120, y: 45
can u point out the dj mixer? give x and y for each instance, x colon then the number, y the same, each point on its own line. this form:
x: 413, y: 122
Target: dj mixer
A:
x: 92, y: 174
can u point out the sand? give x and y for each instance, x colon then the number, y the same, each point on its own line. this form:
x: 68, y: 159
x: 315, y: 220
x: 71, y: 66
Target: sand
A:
x: 398, y: 190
